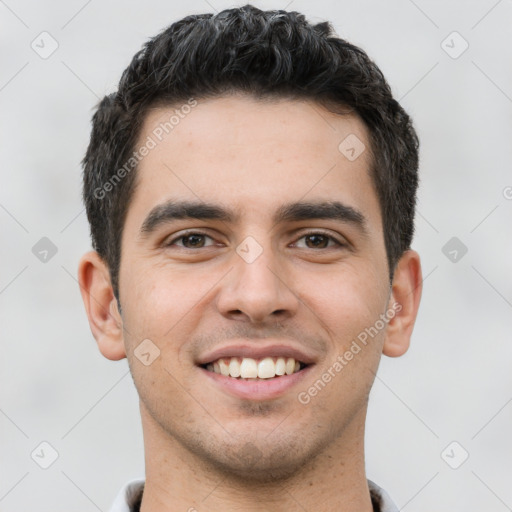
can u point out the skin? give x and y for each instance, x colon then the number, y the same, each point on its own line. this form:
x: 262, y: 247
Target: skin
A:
x: 206, y: 449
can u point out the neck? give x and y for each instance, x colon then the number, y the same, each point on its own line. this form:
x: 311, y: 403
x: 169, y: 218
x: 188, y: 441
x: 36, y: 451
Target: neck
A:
x: 177, y: 480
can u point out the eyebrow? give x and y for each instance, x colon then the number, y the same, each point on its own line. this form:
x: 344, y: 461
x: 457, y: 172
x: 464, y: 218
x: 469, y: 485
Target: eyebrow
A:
x: 290, y: 212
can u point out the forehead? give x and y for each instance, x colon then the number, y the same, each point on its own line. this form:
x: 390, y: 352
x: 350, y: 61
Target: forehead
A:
x: 254, y: 155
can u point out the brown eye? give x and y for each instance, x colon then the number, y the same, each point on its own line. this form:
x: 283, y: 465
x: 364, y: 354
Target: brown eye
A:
x: 318, y: 241
x: 191, y: 241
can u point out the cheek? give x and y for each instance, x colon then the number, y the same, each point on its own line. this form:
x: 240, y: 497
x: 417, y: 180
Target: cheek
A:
x: 348, y: 309
x: 344, y: 301
x: 160, y: 302
x: 159, y: 306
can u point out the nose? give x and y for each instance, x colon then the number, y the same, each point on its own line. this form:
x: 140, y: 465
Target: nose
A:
x: 257, y: 291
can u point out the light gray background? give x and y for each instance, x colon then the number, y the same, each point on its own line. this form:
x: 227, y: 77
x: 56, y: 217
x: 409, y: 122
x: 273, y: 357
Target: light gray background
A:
x: 455, y: 383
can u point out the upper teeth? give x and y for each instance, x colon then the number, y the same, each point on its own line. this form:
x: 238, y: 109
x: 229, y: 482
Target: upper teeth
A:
x: 247, y: 368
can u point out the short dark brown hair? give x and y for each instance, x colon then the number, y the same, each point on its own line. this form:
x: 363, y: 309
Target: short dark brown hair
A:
x: 266, y: 54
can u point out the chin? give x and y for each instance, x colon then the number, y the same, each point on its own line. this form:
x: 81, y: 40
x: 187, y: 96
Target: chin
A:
x: 262, y: 462
x: 265, y: 470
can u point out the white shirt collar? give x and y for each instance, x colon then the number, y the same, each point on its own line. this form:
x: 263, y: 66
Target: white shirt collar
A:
x: 130, y: 495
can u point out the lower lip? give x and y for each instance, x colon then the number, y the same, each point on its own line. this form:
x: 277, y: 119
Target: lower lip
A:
x: 261, y: 389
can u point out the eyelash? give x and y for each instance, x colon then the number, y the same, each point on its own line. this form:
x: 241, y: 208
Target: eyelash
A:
x: 200, y: 233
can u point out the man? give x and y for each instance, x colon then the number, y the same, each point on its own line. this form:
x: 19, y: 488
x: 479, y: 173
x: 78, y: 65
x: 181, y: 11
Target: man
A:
x: 251, y: 190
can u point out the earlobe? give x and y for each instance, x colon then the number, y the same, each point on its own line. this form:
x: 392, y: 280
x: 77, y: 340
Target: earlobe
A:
x: 404, y: 302
x: 101, y: 306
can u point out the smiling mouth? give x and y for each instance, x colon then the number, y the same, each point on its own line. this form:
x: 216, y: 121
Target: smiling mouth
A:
x: 255, y: 369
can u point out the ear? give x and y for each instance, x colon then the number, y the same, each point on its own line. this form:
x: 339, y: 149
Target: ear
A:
x: 101, y: 306
x: 404, y: 301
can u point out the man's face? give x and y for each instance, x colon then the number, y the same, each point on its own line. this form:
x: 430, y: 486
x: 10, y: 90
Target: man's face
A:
x: 283, y: 274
